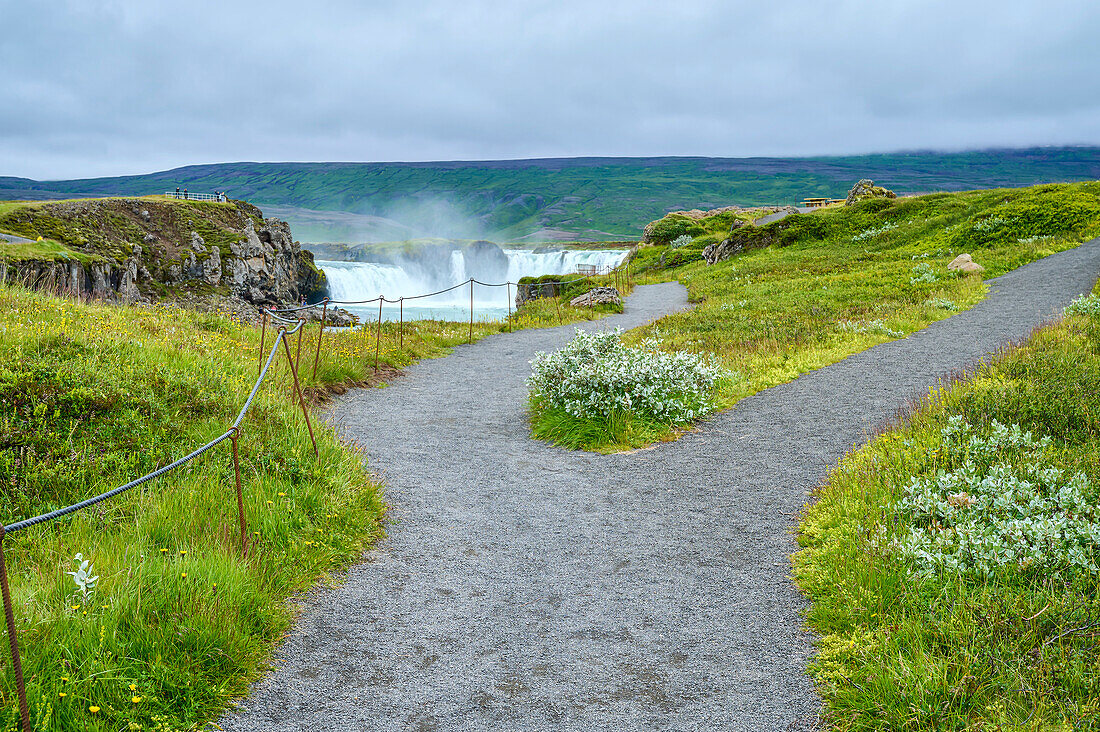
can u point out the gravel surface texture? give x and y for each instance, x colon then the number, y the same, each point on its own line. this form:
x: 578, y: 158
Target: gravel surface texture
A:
x: 524, y: 587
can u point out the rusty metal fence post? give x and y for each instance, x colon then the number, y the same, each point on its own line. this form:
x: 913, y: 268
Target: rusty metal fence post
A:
x: 13, y: 640
x: 298, y: 349
x: 317, y: 355
x: 378, y: 334
x: 263, y: 341
x: 470, y: 339
x: 401, y: 324
x: 508, y: 294
x: 240, y: 493
x: 298, y: 389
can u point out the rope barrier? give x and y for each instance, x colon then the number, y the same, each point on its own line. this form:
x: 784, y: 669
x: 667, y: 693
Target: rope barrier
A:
x: 382, y: 298
x: 232, y: 434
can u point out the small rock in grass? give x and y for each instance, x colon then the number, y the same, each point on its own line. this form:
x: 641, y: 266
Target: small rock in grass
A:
x: 965, y: 263
x: 597, y: 296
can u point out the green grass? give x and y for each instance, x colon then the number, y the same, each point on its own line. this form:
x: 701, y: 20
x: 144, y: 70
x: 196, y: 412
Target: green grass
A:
x: 93, y: 396
x: 1014, y: 651
x: 45, y: 250
x: 822, y: 288
x: 622, y: 428
x: 111, y: 227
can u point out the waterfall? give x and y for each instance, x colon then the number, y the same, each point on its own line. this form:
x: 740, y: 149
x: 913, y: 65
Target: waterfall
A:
x: 367, y: 280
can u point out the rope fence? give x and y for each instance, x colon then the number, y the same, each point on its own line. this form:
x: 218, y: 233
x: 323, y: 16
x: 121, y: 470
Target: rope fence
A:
x: 622, y: 276
x: 232, y: 434
x: 285, y: 322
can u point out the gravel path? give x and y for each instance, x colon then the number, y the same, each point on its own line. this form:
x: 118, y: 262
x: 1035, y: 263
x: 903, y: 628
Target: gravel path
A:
x: 13, y: 239
x: 525, y: 587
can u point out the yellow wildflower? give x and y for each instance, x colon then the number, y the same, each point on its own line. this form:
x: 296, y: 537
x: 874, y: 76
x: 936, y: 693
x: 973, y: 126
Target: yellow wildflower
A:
x: 93, y: 710
x: 135, y: 699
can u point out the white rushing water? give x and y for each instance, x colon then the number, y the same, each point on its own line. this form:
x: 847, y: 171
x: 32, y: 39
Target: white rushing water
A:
x: 350, y: 281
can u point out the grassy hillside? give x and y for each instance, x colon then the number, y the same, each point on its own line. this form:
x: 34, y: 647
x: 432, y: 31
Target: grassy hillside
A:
x: 822, y: 286
x: 597, y: 198
x: 952, y: 563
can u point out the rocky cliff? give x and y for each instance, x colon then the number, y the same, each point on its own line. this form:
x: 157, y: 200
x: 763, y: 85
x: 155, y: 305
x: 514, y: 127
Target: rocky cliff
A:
x: 152, y: 248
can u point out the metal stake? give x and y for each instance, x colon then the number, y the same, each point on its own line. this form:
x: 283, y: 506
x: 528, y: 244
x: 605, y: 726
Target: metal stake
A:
x: 298, y: 389
x: 317, y: 355
x: 401, y: 325
x: 263, y: 340
x: 471, y: 337
x: 13, y: 641
x: 508, y: 294
x: 298, y: 350
x: 378, y: 336
x: 240, y: 496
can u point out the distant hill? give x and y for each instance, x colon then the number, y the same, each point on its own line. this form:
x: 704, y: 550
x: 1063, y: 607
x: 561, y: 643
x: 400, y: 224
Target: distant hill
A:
x: 560, y: 198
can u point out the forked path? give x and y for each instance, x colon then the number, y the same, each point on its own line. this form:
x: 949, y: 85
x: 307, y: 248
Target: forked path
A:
x: 525, y: 587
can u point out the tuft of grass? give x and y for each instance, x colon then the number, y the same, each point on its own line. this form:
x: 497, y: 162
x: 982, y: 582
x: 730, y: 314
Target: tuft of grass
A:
x: 910, y: 650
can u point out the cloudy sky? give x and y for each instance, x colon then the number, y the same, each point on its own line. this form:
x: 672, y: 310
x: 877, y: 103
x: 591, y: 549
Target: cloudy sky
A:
x: 95, y: 87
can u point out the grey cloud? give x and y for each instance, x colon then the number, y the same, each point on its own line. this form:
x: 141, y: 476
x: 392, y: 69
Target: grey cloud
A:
x: 107, y: 87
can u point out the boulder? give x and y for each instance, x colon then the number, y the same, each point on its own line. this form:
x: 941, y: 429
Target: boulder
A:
x: 337, y: 317
x: 865, y: 189
x: 965, y: 263
x: 597, y: 296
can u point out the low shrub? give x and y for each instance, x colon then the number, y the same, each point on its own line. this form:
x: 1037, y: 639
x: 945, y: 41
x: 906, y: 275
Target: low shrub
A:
x: 672, y: 227
x: 1084, y: 305
x: 997, y: 512
x: 596, y: 389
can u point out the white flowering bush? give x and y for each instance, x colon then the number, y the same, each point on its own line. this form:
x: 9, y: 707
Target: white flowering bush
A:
x: 874, y: 231
x: 990, y: 223
x: 869, y: 326
x: 681, y: 241
x: 1084, y: 305
x: 596, y: 375
x: 922, y: 273
x: 1002, y: 508
x: 83, y: 578
x: 941, y: 302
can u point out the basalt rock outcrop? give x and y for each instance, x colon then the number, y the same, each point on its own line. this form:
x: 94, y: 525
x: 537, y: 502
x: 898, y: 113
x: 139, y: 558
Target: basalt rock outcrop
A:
x: 676, y: 223
x: 597, y: 296
x: 865, y: 189
x: 149, y: 249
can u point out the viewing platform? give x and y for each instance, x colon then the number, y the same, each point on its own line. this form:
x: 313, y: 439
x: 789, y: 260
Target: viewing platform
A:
x: 185, y: 195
